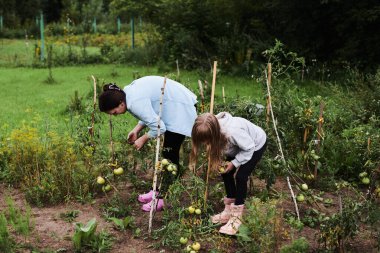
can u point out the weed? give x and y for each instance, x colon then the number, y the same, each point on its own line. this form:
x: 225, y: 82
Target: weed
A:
x: 69, y: 216
x: 116, y: 207
x: 6, y: 242
x: 299, y: 245
x: 20, y: 221
x: 261, y: 228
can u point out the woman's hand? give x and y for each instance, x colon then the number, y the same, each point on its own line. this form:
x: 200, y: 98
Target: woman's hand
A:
x: 134, y: 134
x: 139, y: 143
x: 132, y: 137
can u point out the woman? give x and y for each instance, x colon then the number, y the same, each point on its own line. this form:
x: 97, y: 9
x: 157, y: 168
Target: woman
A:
x: 142, y: 99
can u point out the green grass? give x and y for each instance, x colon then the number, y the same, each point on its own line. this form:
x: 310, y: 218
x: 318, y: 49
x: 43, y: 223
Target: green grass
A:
x: 25, y: 95
x: 22, y: 52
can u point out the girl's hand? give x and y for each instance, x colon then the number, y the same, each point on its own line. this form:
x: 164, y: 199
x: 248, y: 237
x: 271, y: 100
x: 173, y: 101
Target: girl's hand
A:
x: 228, y: 167
x: 132, y: 137
x: 139, y: 143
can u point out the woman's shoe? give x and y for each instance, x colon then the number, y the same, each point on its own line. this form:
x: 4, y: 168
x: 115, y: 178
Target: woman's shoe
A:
x: 147, y: 197
x: 159, y: 205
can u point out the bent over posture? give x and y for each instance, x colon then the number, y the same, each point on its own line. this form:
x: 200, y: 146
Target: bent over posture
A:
x: 239, y: 142
x: 142, y: 99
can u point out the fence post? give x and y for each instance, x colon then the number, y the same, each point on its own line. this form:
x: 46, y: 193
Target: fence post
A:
x: 118, y: 25
x: 133, y: 32
x: 94, y: 25
x: 42, y: 37
x: 1, y: 23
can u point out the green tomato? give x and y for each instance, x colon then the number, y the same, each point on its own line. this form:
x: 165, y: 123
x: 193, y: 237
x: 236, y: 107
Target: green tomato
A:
x: 106, y: 188
x: 164, y: 162
x: 191, y: 209
x: 196, y: 246
x: 170, y: 168
x: 198, y: 211
x: 100, y: 180
x: 363, y: 174
x: 118, y: 171
x: 365, y: 180
x: 300, y: 198
x: 183, y: 240
x: 304, y: 187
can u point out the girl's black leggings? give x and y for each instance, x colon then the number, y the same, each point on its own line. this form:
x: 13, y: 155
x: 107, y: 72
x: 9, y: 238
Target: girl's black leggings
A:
x: 236, y: 186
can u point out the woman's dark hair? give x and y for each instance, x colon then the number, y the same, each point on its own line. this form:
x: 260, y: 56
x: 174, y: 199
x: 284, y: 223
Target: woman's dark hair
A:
x: 111, y: 97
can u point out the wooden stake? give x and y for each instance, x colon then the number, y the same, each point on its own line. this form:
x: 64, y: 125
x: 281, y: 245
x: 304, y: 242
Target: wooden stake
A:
x: 177, y: 69
x: 213, y: 88
x: 93, y: 112
x: 269, y: 83
x: 319, y: 135
x: 111, y: 142
x: 211, y: 111
x: 269, y: 105
x: 202, y: 96
x: 156, y: 165
x: 224, y: 97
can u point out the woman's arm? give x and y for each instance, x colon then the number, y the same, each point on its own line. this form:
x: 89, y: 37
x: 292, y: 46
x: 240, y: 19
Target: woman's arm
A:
x: 132, y: 136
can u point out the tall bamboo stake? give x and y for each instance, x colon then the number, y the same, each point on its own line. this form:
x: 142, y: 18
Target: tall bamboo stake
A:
x: 278, y: 138
x: 93, y: 112
x: 111, y: 142
x: 156, y: 165
x: 319, y: 135
x: 223, y: 95
x: 202, y: 96
x: 211, y: 111
x: 213, y: 88
x: 269, y: 82
x: 177, y: 69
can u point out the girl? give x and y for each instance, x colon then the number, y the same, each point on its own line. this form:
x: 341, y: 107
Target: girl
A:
x: 242, y: 144
x: 142, y: 99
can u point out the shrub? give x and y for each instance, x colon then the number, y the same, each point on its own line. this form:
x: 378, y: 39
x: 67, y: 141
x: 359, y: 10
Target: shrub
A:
x: 46, y: 167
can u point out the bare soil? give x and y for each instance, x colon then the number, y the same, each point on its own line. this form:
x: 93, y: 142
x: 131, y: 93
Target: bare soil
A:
x: 52, y: 233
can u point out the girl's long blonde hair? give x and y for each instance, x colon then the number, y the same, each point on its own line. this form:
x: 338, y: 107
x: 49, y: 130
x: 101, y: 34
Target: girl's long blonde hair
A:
x: 206, y: 131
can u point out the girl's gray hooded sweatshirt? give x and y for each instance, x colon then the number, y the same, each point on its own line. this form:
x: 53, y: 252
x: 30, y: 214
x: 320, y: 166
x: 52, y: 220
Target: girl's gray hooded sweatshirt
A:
x: 244, y: 138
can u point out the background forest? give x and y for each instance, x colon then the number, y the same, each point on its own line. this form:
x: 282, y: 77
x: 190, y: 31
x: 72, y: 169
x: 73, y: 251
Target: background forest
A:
x: 328, y: 31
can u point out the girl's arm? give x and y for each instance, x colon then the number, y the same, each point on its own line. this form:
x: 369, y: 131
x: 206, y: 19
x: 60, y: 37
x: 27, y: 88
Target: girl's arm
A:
x: 246, y: 146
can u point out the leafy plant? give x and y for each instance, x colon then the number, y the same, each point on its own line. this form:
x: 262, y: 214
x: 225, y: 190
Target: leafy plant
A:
x: 341, y: 226
x: 116, y: 208
x: 299, y: 245
x: 86, y: 238
x: 124, y: 224
x: 261, y: 226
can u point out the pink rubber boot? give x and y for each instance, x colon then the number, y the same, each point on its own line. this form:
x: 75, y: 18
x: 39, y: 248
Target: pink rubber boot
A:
x: 147, y: 197
x: 159, y: 205
x: 233, y: 224
x: 224, y: 216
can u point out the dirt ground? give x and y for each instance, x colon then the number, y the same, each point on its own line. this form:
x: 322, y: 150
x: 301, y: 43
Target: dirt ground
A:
x: 53, y: 233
